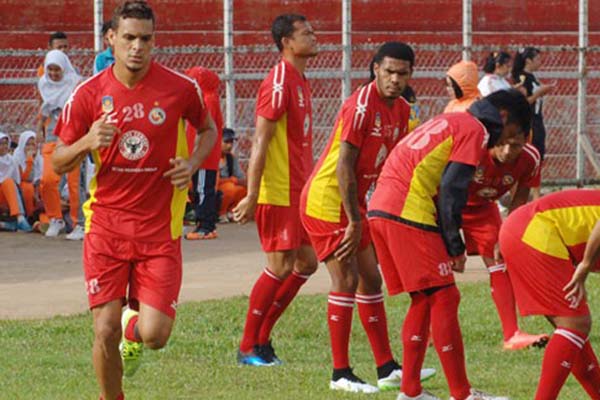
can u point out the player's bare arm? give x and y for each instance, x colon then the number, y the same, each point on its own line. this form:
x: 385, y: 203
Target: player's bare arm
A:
x: 576, y: 286
x: 265, y: 129
x: 349, y: 192
x: 519, y: 198
x: 67, y: 157
x: 183, y: 169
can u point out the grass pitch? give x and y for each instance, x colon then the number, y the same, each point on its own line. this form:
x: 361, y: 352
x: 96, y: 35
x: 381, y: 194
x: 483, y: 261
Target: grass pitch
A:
x: 51, y: 359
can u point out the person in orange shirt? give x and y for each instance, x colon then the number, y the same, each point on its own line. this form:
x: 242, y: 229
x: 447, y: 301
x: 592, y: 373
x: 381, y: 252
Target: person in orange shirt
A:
x: 9, y: 192
x: 29, y: 162
x: 461, y: 83
x: 232, y: 180
x: 56, y: 41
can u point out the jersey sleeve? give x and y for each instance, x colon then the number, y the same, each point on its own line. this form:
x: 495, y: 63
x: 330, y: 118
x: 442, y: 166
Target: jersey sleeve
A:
x: 355, y: 120
x: 76, y: 118
x: 195, y: 111
x: 469, y: 145
x: 273, y: 95
x: 533, y: 176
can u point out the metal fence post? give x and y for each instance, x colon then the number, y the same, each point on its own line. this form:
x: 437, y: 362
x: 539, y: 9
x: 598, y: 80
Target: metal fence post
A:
x: 582, y: 87
x: 346, y: 47
x: 98, y: 21
x: 228, y: 54
x: 467, y: 26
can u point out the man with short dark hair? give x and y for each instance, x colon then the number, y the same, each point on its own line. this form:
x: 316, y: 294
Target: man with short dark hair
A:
x: 131, y: 118
x: 280, y: 162
x: 105, y: 58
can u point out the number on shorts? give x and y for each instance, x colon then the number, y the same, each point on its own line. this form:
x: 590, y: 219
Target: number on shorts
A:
x: 445, y: 269
x: 92, y: 286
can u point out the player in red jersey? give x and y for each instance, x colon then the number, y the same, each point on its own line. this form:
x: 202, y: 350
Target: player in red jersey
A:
x: 333, y: 211
x: 131, y: 118
x: 542, y: 242
x: 280, y: 163
x: 510, y: 163
x: 415, y: 219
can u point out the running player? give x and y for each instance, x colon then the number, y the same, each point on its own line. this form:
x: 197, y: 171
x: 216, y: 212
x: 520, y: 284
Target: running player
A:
x: 333, y: 211
x: 131, y: 118
x: 415, y: 219
x: 510, y: 163
x: 541, y: 243
x: 280, y: 163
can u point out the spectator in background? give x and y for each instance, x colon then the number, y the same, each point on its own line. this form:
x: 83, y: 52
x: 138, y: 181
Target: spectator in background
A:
x: 56, y: 41
x: 232, y: 180
x: 29, y: 161
x: 526, y: 62
x: 205, y: 180
x: 9, y: 192
x: 496, y: 68
x: 55, y: 88
x: 461, y: 83
x: 105, y: 58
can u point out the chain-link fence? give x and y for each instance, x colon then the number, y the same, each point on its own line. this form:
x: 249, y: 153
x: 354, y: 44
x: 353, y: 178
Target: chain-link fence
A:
x: 19, y: 100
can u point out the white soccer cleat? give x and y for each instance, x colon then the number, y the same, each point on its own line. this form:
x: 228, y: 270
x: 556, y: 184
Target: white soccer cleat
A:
x: 76, y: 234
x: 348, y: 382
x: 479, y: 395
x: 394, y: 380
x: 423, y: 396
x: 55, y: 227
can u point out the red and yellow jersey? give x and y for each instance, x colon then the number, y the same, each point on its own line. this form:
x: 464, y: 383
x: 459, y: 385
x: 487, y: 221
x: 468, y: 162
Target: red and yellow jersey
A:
x: 492, y: 179
x: 284, y: 97
x: 371, y: 125
x: 410, y: 178
x: 559, y: 224
x: 129, y: 197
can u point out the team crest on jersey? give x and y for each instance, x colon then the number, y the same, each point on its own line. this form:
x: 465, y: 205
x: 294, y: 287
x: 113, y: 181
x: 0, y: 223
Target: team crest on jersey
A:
x: 157, y: 116
x: 108, y: 104
x: 383, y: 152
x: 487, y: 192
x: 508, y: 180
x: 478, y: 177
x: 306, y: 125
x: 300, y: 97
x: 134, y: 145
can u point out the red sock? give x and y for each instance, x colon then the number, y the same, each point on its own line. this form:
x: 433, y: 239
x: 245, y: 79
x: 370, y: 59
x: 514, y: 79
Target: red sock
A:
x: 339, y: 318
x: 562, y: 351
x: 414, y: 340
x: 284, y: 296
x: 372, y: 316
x: 130, y: 330
x: 504, y: 298
x: 119, y: 397
x: 447, y: 339
x: 587, y: 372
x: 259, y: 302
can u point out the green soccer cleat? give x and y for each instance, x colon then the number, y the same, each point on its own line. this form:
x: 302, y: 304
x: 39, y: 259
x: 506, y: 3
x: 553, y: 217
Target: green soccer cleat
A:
x: 131, y: 352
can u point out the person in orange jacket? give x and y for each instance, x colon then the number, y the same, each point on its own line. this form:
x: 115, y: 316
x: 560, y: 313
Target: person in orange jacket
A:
x: 29, y: 161
x: 232, y: 180
x: 461, y: 83
x: 9, y: 192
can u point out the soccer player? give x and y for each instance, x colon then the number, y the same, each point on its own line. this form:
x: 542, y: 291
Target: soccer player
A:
x: 280, y: 162
x: 333, y: 211
x: 541, y: 243
x: 415, y: 219
x: 131, y: 118
x: 511, y: 162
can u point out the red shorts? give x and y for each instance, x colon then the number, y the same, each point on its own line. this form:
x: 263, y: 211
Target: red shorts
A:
x: 151, y: 269
x: 537, y: 278
x: 411, y: 259
x: 481, y: 226
x: 280, y: 228
x: 326, y: 236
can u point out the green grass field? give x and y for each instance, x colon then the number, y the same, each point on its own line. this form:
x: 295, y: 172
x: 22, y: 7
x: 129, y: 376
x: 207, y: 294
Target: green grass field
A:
x: 51, y: 359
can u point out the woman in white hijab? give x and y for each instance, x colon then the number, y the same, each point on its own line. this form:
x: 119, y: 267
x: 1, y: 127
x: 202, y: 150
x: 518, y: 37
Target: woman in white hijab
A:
x: 9, y: 192
x: 55, y: 87
x: 29, y: 162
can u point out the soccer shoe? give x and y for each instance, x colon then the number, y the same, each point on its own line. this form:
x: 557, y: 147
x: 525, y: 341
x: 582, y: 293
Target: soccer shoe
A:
x: 201, y: 235
x: 76, y: 234
x: 55, y: 227
x: 131, y: 352
x: 23, y: 226
x: 345, y: 380
x: 423, y: 396
x: 479, y: 395
x: 251, y: 359
x: 394, y: 379
x: 521, y: 340
x: 267, y: 353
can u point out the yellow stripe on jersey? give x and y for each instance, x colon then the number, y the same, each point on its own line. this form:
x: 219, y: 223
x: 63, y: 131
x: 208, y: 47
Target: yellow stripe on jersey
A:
x: 275, y: 181
x: 324, y: 200
x: 550, y: 231
x: 179, y: 196
x: 87, y: 206
x: 418, y: 205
